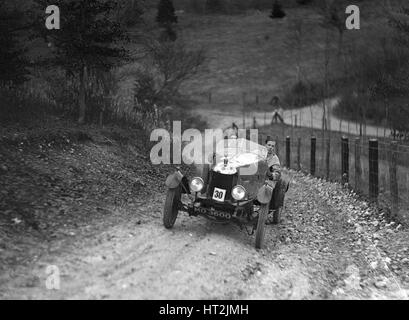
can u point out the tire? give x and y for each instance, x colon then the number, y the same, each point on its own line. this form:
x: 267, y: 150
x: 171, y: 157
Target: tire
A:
x: 262, y: 216
x: 170, y: 212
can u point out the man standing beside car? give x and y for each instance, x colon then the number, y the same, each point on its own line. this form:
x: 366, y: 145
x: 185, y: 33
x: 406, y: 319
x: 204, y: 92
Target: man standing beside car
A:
x: 274, y: 174
x: 273, y: 163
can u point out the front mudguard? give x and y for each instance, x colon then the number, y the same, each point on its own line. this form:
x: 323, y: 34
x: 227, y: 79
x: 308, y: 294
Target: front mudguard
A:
x: 177, y: 179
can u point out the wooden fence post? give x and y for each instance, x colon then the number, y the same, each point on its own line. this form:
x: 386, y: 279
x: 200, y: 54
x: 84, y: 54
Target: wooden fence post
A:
x: 358, y: 169
x: 299, y: 154
x: 328, y: 157
x: 393, y: 159
x: 244, y: 109
x: 373, y: 169
x: 248, y: 134
x: 312, y: 160
x: 345, y: 159
x: 288, y: 152
x: 277, y: 147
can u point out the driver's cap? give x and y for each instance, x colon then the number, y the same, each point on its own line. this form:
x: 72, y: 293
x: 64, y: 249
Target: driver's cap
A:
x: 269, y: 138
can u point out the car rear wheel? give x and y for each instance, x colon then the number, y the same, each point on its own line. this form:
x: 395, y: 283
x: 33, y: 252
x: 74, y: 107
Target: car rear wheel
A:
x: 172, y: 203
x: 262, y: 216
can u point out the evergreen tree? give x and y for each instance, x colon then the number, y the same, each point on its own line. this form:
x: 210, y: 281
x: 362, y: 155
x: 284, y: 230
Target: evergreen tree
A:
x: 166, y: 13
x: 277, y: 11
x: 13, y: 64
x: 304, y: 2
x: 131, y: 11
x: 87, y: 41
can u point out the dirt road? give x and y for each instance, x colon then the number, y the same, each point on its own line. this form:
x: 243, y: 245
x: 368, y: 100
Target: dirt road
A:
x: 309, y: 116
x: 320, y: 250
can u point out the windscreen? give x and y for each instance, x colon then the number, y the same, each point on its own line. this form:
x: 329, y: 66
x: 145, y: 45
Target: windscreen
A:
x: 240, y: 152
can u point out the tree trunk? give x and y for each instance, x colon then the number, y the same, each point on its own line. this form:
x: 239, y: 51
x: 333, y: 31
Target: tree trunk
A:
x: 340, y: 43
x: 83, y: 107
x: 101, y: 117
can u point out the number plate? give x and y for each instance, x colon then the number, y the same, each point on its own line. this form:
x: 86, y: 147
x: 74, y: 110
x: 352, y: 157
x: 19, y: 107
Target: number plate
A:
x: 219, y: 194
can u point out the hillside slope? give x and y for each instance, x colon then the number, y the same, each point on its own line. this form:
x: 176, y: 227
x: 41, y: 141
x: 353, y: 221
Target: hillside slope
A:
x: 253, y: 54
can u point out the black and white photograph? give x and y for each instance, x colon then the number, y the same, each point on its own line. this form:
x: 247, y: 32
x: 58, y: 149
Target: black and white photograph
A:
x: 204, y: 154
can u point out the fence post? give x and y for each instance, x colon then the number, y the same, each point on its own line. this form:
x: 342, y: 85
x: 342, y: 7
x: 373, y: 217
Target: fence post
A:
x: 299, y: 154
x: 277, y: 147
x: 373, y: 169
x: 327, y: 157
x: 313, y: 148
x: 358, y: 169
x: 288, y: 152
x: 393, y: 178
x: 244, y: 109
x: 345, y: 159
x: 260, y: 139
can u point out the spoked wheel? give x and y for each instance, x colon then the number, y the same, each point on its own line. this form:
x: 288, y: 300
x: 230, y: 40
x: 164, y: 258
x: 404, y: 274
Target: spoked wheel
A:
x: 262, y: 216
x: 172, y: 204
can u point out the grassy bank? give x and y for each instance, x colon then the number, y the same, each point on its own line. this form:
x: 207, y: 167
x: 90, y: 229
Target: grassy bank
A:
x: 59, y: 180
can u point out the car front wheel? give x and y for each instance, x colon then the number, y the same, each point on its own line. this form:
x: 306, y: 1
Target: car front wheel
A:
x: 262, y: 216
x: 171, y: 209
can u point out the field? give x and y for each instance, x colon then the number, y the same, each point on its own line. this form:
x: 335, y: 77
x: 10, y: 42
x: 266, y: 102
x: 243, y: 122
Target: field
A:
x: 250, y: 54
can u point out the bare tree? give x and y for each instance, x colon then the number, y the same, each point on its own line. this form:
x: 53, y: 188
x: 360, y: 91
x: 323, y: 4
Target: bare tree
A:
x: 333, y: 17
x: 169, y: 64
x: 174, y: 64
x: 294, y: 43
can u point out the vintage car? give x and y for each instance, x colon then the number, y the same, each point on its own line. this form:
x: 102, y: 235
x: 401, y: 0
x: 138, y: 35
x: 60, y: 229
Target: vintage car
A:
x: 232, y: 188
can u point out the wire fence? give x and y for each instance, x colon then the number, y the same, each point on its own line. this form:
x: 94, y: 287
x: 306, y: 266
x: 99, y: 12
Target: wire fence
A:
x: 365, y: 158
x: 378, y: 170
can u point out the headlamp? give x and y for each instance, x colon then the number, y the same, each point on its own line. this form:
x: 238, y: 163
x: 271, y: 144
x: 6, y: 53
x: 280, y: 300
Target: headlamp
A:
x: 197, y: 184
x: 238, y: 192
